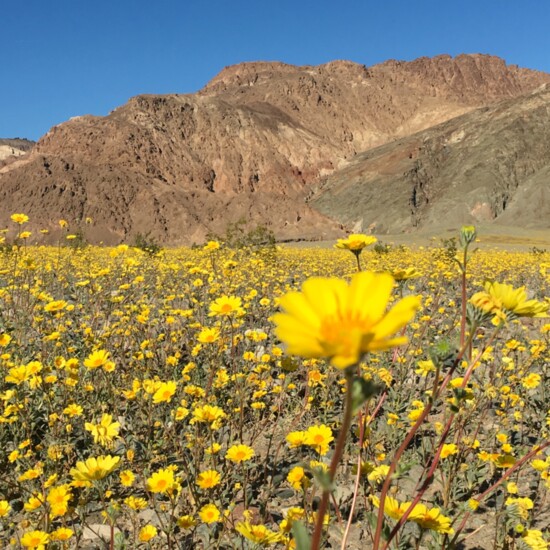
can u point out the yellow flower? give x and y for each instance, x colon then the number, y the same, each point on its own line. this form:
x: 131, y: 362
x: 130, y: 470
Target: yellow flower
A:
x: 512, y: 488
x: 211, y: 245
x: 105, y: 432
x: 18, y: 375
x: 165, y: 392
x: 31, y: 473
x: 162, y: 481
x: 35, y: 539
x: 4, y: 508
x: 392, y: 418
x: 5, y: 339
x: 533, y: 539
x: 521, y: 504
x: 297, y: 478
x: 208, y: 479
x: 393, y: 508
x: 540, y: 465
x: 315, y: 378
x: 210, y: 414
x: 209, y: 513
x: 226, y: 306
x: 73, y: 410
x: 239, y: 453
x: 95, y: 468
x: 213, y: 449
x: 319, y: 437
x: 33, y: 503
x: 55, y: 306
x: 258, y: 534
x: 292, y: 515
x: 425, y: 367
x: 186, y: 522
x: 505, y: 299
x: 19, y: 218
x: 58, y: 499
x: 448, y: 449
x: 97, y: 359
x: 355, y: 242
x: 135, y: 503
x: 147, y: 533
x: 504, y: 461
x: 62, y: 534
x: 405, y: 274
x: 415, y: 414
x: 531, y: 381
x: 181, y: 413
x: 432, y: 518
x: 502, y: 438
x: 208, y: 335
x: 127, y: 478
x: 330, y: 318
x: 378, y: 474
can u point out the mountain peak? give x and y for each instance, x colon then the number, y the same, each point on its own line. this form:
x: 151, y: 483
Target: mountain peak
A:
x: 252, y: 143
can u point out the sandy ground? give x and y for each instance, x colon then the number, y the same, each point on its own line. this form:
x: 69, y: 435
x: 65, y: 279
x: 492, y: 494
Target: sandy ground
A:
x: 489, y: 237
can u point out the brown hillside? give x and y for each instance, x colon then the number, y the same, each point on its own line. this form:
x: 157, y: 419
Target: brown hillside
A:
x: 491, y: 165
x: 250, y: 144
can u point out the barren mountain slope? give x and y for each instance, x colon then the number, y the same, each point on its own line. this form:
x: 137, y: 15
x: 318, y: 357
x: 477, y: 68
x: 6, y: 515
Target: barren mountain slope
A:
x: 490, y: 165
x: 355, y: 108
x: 249, y: 144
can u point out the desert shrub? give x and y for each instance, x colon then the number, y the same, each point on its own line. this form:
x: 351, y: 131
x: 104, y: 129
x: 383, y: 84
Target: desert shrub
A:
x: 147, y: 243
x: 239, y: 235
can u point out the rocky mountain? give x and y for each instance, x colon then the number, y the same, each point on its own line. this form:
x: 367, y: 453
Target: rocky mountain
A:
x: 489, y: 165
x: 254, y: 143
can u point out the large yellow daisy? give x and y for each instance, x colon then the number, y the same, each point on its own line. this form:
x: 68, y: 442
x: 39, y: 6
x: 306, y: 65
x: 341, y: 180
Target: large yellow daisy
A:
x: 332, y: 319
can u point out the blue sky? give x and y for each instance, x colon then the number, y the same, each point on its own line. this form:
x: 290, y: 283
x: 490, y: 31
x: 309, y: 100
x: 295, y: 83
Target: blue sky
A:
x: 62, y: 58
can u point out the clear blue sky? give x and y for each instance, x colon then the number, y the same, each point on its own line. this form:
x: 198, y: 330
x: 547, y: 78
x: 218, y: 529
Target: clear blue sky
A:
x: 62, y: 58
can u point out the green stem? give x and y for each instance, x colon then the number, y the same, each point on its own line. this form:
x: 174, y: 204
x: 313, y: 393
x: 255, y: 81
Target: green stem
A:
x: 436, y: 392
x: 357, y: 254
x: 338, y: 451
x: 464, y: 297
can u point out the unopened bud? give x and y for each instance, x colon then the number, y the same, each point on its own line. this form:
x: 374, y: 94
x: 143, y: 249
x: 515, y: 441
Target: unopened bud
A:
x: 468, y: 235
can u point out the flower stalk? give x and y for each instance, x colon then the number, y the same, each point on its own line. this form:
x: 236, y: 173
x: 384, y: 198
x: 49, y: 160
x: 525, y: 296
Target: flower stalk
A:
x: 338, y: 451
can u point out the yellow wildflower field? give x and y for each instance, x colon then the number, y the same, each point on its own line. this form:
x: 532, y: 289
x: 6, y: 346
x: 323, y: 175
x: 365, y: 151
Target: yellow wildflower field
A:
x: 244, y: 398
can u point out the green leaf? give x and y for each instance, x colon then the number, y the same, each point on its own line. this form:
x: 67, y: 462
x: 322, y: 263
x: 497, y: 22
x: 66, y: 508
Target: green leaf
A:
x: 372, y: 519
x: 288, y: 364
x: 362, y: 390
x: 403, y: 468
x: 444, y: 353
x: 323, y: 478
x: 301, y: 536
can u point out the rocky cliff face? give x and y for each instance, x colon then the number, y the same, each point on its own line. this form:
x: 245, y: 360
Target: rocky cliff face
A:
x: 488, y: 166
x: 250, y: 144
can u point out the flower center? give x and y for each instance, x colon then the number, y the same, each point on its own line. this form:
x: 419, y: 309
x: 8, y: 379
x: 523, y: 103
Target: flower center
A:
x: 343, y: 334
